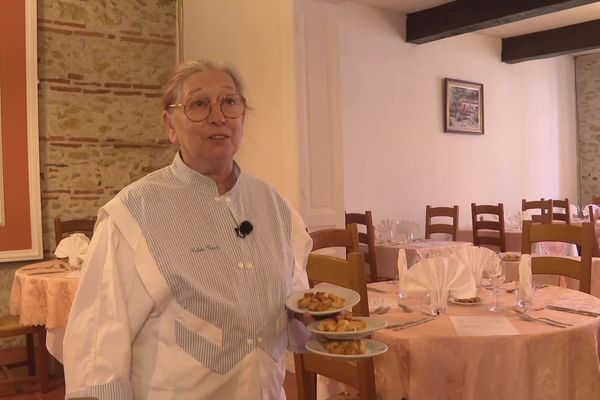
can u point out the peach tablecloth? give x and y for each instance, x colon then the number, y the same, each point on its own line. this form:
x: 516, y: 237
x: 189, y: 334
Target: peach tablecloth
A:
x: 40, y: 296
x: 431, y: 361
x: 513, y: 243
x: 387, y: 253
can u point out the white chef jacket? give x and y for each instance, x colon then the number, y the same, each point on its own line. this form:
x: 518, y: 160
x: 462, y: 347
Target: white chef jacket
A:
x: 150, y: 323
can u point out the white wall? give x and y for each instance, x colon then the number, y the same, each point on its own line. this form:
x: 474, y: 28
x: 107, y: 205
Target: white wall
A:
x: 397, y: 159
x: 258, y: 38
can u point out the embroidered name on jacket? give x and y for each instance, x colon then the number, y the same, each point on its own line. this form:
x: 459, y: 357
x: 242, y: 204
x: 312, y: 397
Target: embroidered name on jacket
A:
x: 237, y: 285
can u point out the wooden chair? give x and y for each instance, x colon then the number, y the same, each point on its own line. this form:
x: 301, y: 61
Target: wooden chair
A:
x: 545, y: 207
x: 438, y: 227
x: 346, y: 238
x: 564, y: 216
x: 357, y: 374
x: 582, y: 236
x: 65, y: 228
x: 596, y: 200
x: 367, y: 237
x: 37, y: 354
x: 488, y: 232
x: 594, y: 221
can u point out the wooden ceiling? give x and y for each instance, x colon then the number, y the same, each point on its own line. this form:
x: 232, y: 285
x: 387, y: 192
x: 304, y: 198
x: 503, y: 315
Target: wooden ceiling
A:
x: 544, y: 28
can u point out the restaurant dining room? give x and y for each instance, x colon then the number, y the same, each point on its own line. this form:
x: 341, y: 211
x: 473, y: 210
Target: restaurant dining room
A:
x: 300, y: 199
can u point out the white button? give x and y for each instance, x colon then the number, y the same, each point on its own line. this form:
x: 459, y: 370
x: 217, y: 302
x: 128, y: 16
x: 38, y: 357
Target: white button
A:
x: 217, y: 198
x: 259, y: 339
x: 227, y: 199
x: 250, y: 342
x: 240, y: 265
x: 249, y: 265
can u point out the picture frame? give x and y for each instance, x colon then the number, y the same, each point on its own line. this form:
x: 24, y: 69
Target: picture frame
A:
x: 21, y: 226
x: 463, y: 107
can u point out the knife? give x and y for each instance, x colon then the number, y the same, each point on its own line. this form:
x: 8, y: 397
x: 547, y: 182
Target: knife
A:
x: 46, y: 272
x: 407, y: 323
x: 424, y: 321
x: 572, y: 311
x: 372, y: 289
x: 405, y: 308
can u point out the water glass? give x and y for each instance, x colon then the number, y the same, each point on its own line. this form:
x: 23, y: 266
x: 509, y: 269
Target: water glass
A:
x: 524, y: 292
x: 497, y: 274
x: 439, y: 302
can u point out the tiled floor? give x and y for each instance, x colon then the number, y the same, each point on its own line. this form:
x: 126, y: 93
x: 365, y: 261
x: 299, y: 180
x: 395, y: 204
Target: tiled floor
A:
x: 57, y: 388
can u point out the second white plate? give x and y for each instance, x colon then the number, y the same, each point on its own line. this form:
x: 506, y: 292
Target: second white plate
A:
x: 463, y: 303
x: 373, y: 324
x: 373, y: 348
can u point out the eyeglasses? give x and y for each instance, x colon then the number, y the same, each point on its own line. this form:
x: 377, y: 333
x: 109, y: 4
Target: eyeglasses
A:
x: 198, y: 109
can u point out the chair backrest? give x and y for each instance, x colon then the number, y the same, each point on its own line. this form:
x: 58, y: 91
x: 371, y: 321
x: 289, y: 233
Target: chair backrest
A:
x: 561, y: 215
x: 358, y: 374
x: 486, y: 231
x: 545, y: 207
x: 64, y: 228
x: 594, y: 221
x: 438, y: 227
x: 346, y: 238
x: 582, y: 236
x: 365, y: 221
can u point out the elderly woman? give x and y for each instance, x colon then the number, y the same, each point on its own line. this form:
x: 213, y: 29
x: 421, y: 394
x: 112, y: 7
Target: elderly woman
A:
x: 184, y: 287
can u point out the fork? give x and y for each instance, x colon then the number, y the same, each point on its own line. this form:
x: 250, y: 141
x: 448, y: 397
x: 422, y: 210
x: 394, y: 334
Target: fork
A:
x: 529, y: 318
x: 382, y: 310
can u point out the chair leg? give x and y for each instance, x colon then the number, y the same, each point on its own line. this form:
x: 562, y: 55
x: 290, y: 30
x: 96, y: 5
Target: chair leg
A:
x: 42, y: 357
x: 306, y: 382
x: 30, y: 354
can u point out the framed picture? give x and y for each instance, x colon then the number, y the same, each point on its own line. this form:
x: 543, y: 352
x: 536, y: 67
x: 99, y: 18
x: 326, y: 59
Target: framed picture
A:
x: 20, y: 201
x: 463, y: 106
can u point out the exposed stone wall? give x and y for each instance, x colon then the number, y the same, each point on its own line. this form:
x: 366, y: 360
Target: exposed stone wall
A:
x: 587, y: 72
x: 101, y: 67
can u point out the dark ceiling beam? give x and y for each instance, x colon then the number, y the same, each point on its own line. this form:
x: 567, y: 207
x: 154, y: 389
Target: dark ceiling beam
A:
x: 463, y: 16
x: 554, y: 42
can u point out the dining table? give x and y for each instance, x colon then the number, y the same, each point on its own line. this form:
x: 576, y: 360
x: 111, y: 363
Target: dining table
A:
x: 471, y: 353
x: 415, y: 251
x: 42, y: 294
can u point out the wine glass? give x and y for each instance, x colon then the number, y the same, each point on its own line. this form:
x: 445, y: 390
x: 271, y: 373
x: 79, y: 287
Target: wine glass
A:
x: 497, y: 273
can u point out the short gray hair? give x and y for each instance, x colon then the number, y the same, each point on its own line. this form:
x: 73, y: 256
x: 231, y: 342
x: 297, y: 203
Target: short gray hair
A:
x: 172, y: 89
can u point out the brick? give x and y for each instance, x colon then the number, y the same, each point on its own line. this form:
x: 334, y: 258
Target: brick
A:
x: 54, y: 30
x: 148, y: 41
x: 65, y: 23
x: 96, y: 91
x: 144, y: 86
x: 65, y: 89
x: 76, y: 77
x: 73, y: 145
x: 126, y: 93
x: 88, y: 33
x: 117, y: 85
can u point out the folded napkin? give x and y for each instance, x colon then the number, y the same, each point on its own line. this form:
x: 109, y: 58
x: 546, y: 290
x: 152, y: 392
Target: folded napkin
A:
x: 525, y: 276
x: 595, y: 209
x: 402, y: 266
x: 74, y: 247
x: 386, y: 229
x: 476, y: 259
x: 441, y: 275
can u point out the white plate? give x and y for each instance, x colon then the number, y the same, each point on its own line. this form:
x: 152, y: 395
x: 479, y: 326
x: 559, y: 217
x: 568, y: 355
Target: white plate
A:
x: 352, y: 298
x: 460, y: 303
x: 510, y: 256
x: 373, y: 348
x: 373, y: 324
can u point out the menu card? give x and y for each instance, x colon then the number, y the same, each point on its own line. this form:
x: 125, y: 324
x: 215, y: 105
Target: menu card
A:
x: 483, y: 326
